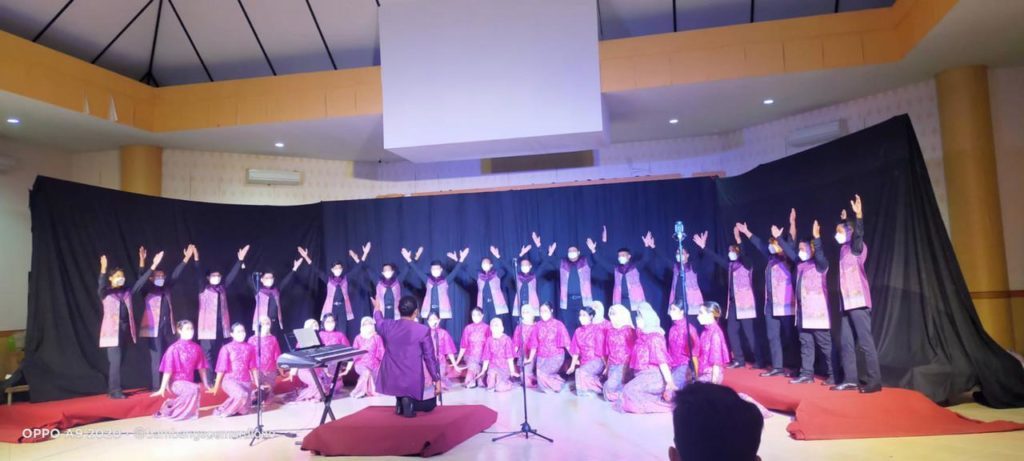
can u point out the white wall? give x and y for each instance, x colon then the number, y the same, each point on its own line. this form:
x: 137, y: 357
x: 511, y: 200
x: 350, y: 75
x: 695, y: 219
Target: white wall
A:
x: 16, y: 226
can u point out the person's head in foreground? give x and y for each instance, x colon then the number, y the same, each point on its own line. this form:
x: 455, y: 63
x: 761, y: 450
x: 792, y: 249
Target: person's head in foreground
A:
x: 408, y: 307
x: 712, y: 423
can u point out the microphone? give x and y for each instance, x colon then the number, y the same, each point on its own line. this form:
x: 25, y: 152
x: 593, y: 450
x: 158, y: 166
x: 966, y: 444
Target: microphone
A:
x: 680, y: 232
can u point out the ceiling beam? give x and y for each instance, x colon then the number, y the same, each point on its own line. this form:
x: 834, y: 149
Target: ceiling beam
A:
x: 257, y: 36
x: 675, y: 17
x: 148, y: 78
x: 123, y: 29
x: 321, y: 32
x: 190, y: 41
x: 54, y: 19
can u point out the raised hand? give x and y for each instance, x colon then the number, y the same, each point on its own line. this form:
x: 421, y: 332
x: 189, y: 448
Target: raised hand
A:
x: 604, y: 233
x: 736, y: 233
x: 354, y: 256
x: 296, y: 264
x: 842, y: 215
x: 742, y: 226
x: 551, y: 248
x: 591, y: 245
x: 452, y: 256
x: 103, y: 264
x: 304, y: 253
x: 463, y: 254
x: 242, y: 252
x: 419, y: 251
x: 776, y: 231
x: 407, y: 255
x: 377, y: 306
x: 366, y: 250
x: 536, y: 239
x: 816, y: 230
x: 701, y: 239
x: 648, y: 239
x: 142, y: 256
x: 495, y: 252
x: 857, y: 206
x: 792, y: 215
x: 156, y: 259
x: 195, y: 252
x: 524, y: 250
x: 188, y: 253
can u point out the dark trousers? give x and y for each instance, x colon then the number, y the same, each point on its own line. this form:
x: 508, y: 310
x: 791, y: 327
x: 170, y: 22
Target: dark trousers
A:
x: 156, y: 348
x: 210, y: 349
x: 856, y: 330
x: 340, y: 318
x: 733, y: 331
x: 809, y: 341
x: 427, y: 405
x: 779, y: 329
x: 114, y: 372
x: 571, y: 315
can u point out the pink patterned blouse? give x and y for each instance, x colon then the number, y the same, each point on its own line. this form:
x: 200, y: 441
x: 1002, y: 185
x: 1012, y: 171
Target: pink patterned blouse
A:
x: 551, y: 338
x: 374, y: 347
x: 236, y: 360
x: 619, y: 344
x: 649, y: 352
x: 182, y: 359
x: 474, y: 336
x: 588, y: 343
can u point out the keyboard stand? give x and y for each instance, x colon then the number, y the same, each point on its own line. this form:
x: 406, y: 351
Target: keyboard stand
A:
x: 328, y: 397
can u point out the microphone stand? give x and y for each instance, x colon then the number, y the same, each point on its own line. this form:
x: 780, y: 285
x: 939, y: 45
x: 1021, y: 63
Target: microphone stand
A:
x: 258, y: 432
x: 524, y: 428
x: 680, y: 236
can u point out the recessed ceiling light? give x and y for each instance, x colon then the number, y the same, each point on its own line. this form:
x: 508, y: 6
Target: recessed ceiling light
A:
x: 13, y: 121
x: 768, y: 102
x: 278, y: 145
x: 673, y: 121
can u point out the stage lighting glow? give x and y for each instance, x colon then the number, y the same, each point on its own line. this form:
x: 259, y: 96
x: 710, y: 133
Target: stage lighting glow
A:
x: 278, y: 145
x: 768, y: 102
x: 13, y: 121
x: 673, y: 121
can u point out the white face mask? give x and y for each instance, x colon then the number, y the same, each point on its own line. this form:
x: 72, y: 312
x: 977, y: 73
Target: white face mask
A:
x: 486, y: 267
x: 705, y: 318
x: 574, y: 255
x: 264, y: 329
x: 675, y: 314
x: 214, y: 280
x: 238, y: 336
x: 525, y: 268
x: 158, y: 282
x: 840, y: 238
x: 497, y: 331
x: 772, y: 250
x: 477, y: 318
x: 528, y: 319
x: 268, y: 283
x: 733, y: 256
x: 435, y: 272
x: 336, y: 272
x: 804, y: 256
x: 623, y: 260
x: 545, y: 315
x: 585, y: 320
x: 117, y: 282
x: 187, y: 334
x: 366, y: 331
x: 433, y: 322
x: 387, y: 274
x: 329, y: 325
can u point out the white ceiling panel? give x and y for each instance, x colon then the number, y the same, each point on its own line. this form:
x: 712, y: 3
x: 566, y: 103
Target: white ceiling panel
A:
x: 224, y: 38
x: 289, y: 35
x: 88, y: 26
x: 350, y: 28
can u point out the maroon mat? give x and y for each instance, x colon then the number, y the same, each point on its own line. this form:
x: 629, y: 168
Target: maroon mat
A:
x: 378, y: 431
x: 822, y: 414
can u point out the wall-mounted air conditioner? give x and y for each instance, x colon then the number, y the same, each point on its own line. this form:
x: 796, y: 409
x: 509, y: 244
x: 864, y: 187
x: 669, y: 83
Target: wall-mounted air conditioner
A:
x: 817, y: 134
x: 273, y: 177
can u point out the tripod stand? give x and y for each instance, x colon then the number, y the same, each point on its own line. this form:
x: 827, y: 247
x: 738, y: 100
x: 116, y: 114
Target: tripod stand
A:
x: 524, y: 428
x: 258, y: 432
x: 679, y: 234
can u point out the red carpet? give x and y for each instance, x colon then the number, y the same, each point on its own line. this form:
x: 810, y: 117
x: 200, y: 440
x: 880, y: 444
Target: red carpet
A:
x: 65, y: 414
x: 377, y: 431
x: 822, y: 414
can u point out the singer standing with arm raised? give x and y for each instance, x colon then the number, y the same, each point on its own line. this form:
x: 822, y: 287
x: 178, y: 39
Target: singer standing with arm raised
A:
x: 268, y: 296
x: 741, y: 309
x: 214, y: 317
x: 118, y: 319
x: 778, y: 291
x: 574, y: 283
x: 812, y: 318
x: 856, y: 298
x: 337, y: 301
x: 157, y: 324
x: 628, y: 290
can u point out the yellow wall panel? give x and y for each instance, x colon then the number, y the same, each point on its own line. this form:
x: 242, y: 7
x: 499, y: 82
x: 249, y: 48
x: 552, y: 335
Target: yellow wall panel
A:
x: 803, y: 55
x: 652, y: 71
x: 763, y: 59
x: 843, y: 51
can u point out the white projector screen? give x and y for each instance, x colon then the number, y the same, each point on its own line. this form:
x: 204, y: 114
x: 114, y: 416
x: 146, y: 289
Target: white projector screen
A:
x: 490, y: 78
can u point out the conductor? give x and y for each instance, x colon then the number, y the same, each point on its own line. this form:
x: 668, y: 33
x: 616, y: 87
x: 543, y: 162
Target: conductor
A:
x: 408, y: 353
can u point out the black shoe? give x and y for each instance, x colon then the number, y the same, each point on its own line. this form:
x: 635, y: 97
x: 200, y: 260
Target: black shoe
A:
x: 735, y: 364
x: 870, y: 389
x: 398, y: 406
x: 116, y: 395
x: 408, y: 410
x: 828, y: 382
x: 844, y: 387
x: 774, y: 372
x: 802, y: 380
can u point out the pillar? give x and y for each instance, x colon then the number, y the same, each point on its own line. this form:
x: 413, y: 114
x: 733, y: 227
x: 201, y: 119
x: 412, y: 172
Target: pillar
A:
x: 975, y: 219
x: 142, y: 169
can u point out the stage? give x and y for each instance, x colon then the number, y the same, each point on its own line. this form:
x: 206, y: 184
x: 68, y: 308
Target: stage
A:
x: 583, y: 429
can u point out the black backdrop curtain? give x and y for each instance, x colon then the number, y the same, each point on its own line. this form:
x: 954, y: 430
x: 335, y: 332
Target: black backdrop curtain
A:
x: 927, y: 331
